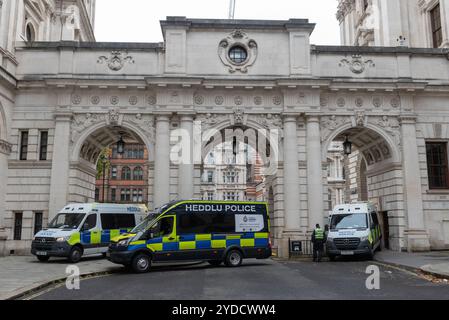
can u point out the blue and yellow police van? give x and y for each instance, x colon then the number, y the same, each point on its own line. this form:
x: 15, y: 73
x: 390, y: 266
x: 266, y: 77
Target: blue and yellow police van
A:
x: 214, y: 231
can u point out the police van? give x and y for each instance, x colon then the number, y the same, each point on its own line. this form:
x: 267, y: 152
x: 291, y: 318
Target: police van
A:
x: 354, y: 230
x: 213, y: 231
x: 84, y: 229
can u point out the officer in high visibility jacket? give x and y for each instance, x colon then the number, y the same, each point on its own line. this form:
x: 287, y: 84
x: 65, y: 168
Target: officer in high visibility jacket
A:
x: 318, y: 243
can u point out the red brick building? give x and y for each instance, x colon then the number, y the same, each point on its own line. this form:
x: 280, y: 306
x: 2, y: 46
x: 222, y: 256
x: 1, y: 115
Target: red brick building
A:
x: 127, y: 179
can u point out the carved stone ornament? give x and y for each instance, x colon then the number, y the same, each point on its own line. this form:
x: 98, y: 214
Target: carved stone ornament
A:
x: 116, y: 61
x: 133, y: 100
x: 114, y: 116
x: 239, y: 116
x: 238, y: 38
x: 151, y: 100
x: 219, y: 100
x: 357, y: 65
x: 95, y: 100
x: 268, y: 121
x: 199, y: 99
x: 330, y: 123
x: 5, y: 147
x: 76, y: 99
x: 209, y: 121
x: 143, y: 121
x: 81, y: 122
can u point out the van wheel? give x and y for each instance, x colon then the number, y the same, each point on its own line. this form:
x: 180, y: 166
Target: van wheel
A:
x: 43, y: 258
x: 75, y: 254
x: 234, y: 258
x: 141, y: 263
x: 215, y: 263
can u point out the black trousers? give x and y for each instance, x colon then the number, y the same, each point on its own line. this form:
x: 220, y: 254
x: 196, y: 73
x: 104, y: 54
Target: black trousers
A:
x: 318, y: 249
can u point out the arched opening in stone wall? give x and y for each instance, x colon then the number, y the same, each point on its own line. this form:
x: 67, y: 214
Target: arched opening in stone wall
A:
x: 113, y: 167
x: 371, y: 172
x: 239, y: 163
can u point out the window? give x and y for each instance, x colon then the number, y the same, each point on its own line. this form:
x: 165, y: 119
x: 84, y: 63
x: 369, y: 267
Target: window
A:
x: 18, y: 217
x: 30, y: 34
x: 135, y: 195
x: 113, y: 195
x: 230, y: 177
x: 435, y: 21
x: 90, y: 223
x: 114, y: 172
x: 38, y: 217
x: 23, y: 145
x: 43, y: 146
x: 210, y: 196
x: 125, y: 195
x: 140, y: 200
x: 126, y: 173
x: 437, y: 165
x: 97, y: 194
x: 138, y: 173
x: 231, y: 196
x: 210, y: 176
x: 238, y: 54
x: 134, y: 151
x: 117, y: 221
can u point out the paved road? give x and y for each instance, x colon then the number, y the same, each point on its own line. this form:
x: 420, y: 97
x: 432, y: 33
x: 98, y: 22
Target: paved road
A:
x: 256, y: 280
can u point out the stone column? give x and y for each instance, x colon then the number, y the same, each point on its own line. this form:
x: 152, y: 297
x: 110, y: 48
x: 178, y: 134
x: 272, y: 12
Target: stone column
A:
x: 186, y: 168
x: 161, y: 186
x: 5, y: 150
x: 314, y: 172
x: 416, y: 235
x: 292, y: 204
x: 59, y: 183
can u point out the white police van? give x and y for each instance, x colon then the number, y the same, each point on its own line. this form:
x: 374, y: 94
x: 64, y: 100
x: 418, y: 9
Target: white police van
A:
x: 354, y: 230
x: 84, y: 229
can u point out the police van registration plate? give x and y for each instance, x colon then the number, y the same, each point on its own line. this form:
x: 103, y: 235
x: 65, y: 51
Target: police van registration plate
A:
x: 41, y: 253
x: 347, y: 253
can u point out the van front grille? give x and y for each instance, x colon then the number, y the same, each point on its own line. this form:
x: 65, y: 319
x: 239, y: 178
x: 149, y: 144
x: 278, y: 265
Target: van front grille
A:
x: 347, y: 243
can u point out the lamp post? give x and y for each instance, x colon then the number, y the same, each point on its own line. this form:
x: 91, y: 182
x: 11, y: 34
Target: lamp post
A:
x: 104, y: 161
x: 347, y: 146
x: 121, y: 145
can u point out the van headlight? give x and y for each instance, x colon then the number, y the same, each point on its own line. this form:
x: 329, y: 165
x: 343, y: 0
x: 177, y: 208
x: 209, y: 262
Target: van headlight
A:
x: 62, y: 239
x: 362, y: 239
x: 124, y: 243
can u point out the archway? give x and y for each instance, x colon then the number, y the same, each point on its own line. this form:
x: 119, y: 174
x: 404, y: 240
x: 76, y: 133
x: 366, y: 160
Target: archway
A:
x: 102, y: 173
x: 371, y: 172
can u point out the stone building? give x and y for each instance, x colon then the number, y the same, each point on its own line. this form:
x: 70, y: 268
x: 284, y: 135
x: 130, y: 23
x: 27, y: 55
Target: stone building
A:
x: 60, y: 91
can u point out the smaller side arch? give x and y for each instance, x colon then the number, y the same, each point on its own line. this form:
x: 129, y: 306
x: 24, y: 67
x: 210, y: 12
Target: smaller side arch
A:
x: 149, y: 144
x: 396, y: 154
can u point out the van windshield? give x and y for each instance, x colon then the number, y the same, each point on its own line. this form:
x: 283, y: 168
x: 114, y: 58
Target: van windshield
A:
x: 67, y: 221
x: 147, y: 222
x: 349, y: 221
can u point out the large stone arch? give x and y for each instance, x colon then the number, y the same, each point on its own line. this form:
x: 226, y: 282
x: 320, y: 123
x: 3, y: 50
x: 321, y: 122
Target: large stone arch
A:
x: 146, y: 139
x: 393, y: 144
x: 82, y: 170
x: 384, y: 175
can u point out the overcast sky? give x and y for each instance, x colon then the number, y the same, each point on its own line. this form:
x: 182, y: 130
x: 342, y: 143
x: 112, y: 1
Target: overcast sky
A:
x: 138, y: 20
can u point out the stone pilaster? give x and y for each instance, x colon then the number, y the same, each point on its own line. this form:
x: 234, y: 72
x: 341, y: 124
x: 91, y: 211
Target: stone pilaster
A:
x: 5, y: 150
x: 60, y: 163
x: 416, y: 235
x: 186, y: 168
x: 292, y: 204
x: 162, y: 160
x: 314, y: 171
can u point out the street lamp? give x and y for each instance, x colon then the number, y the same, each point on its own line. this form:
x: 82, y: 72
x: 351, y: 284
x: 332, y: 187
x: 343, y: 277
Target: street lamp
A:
x: 347, y: 146
x: 104, y: 160
x: 121, y: 146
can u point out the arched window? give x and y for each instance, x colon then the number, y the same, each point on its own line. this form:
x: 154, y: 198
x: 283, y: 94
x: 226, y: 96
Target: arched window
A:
x: 126, y: 173
x: 30, y: 33
x: 138, y: 173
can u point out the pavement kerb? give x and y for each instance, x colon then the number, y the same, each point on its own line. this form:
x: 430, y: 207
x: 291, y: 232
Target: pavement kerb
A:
x: 398, y: 265
x: 28, y: 290
x: 427, y: 269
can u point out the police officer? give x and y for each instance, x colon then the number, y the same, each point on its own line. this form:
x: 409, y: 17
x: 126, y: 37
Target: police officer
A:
x: 318, y: 243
